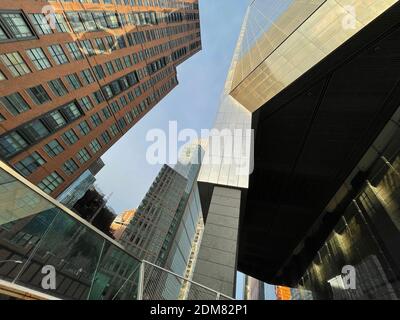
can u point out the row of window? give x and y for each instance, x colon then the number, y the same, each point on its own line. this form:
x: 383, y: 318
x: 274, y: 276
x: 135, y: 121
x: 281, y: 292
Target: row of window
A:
x: 30, y: 133
x: 120, y: 85
x: 16, y: 104
x: 69, y: 167
x: 13, y: 25
x: 54, y: 148
x: 32, y: 162
x: 18, y: 67
x: 177, y: 4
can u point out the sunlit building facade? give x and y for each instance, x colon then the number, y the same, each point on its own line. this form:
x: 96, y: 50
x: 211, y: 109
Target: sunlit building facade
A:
x: 75, y: 76
x: 314, y: 80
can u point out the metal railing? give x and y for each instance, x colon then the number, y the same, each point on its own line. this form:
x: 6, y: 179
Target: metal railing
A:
x: 38, y: 232
x: 157, y: 283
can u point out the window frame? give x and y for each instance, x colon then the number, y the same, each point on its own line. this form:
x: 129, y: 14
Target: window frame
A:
x: 7, y: 30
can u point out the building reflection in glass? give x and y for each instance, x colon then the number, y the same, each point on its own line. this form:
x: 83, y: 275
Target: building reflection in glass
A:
x: 367, y: 237
x: 38, y: 232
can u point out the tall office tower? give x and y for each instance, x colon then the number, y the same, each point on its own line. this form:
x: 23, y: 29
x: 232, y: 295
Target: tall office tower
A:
x: 165, y: 227
x: 317, y: 81
x: 147, y: 231
x: 77, y: 75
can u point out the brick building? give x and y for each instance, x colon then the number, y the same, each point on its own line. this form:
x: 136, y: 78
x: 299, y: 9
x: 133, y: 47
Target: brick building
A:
x: 77, y: 75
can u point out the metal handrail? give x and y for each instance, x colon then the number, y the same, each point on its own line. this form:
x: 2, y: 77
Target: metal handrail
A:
x: 141, y: 279
x: 58, y: 204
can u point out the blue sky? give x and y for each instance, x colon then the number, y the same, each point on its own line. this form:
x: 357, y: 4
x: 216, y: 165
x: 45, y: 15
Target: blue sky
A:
x: 193, y: 104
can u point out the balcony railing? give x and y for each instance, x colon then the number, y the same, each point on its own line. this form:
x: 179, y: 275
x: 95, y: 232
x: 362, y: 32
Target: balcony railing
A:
x: 48, y: 249
x: 157, y: 283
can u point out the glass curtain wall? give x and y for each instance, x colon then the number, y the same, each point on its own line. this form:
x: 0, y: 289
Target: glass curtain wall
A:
x: 366, y: 237
x: 35, y: 232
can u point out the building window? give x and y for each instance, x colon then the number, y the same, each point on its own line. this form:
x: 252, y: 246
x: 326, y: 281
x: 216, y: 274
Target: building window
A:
x: 40, y: 23
x: 83, y: 156
x: 30, y: 164
x: 114, y: 130
x: 2, y: 118
x: 84, y: 128
x: 75, y: 22
x: 123, y: 100
x: 129, y: 117
x: 71, y: 111
x: 87, y: 47
x: 106, y: 113
x: 16, y: 25
x: 85, y: 103
x: 51, y: 182
x: 57, y: 119
x: 88, y: 21
x: 61, y: 24
x: 106, y: 137
x: 69, y: 137
x: 100, y: 20
x: 122, y: 123
x: 98, y: 96
x: 73, y: 81
x: 111, y: 18
x: 35, y: 130
x: 2, y: 76
x: 58, y: 54
x: 3, y: 35
x: 58, y: 87
x: 110, y: 68
x: 121, y: 42
x: 11, y: 144
x: 100, y: 45
x: 107, y: 92
x: 38, y: 94
x: 38, y: 58
x: 118, y: 63
x: 53, y: 148
x: 15, y: 104
x: 135, y: 58
x: 99, y: 71
x: 94, y: 146
x: 87, y: 76
x: 111, y: 43
x: 70, y: 167
x: 96, y: 120
x: 15, y: 64
x: 75, y: 51
x: 115, y: 106
x: 127, y: 61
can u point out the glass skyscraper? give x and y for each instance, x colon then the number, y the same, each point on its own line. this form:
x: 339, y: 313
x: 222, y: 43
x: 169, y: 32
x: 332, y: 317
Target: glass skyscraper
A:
x: 164, y: 228
x: 318, y: 206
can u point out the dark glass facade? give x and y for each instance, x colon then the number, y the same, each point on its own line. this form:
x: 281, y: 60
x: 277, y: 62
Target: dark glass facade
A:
x: 35, y: 231
x: 367, y: 237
